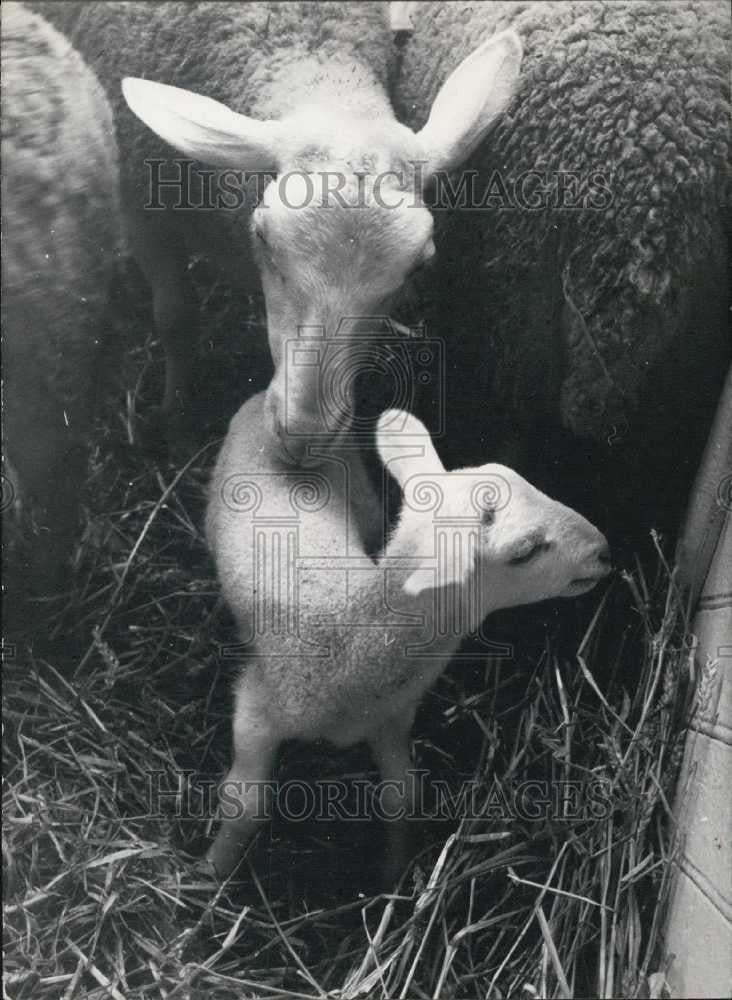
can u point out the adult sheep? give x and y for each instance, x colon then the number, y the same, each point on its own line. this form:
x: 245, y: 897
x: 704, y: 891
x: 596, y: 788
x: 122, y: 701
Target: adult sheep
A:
x: 299, y: 89
x: 61, y: 232
x: 590, y: 287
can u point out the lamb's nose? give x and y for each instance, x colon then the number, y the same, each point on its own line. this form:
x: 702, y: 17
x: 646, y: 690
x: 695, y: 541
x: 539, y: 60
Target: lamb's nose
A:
x: 604, y: 555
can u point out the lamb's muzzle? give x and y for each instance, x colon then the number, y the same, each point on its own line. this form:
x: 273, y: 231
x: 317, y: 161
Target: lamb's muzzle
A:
x: 598, y: 563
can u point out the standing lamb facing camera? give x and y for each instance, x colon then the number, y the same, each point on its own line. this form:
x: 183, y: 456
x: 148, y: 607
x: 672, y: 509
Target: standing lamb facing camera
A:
x: 298, y: 90
x: 340, y: 646
x: 61, y: 240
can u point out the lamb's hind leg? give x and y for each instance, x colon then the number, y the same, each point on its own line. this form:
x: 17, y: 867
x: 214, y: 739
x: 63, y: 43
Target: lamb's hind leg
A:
x: 245, y: 793
x: 399, y: 798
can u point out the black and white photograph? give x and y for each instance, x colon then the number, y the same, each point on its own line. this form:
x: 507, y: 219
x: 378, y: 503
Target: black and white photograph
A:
x: 366, y: 499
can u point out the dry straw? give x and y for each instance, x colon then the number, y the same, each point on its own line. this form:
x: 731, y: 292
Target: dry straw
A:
x: 103, y: 900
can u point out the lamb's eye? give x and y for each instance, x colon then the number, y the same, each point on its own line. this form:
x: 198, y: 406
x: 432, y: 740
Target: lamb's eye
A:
x: 527, y: 551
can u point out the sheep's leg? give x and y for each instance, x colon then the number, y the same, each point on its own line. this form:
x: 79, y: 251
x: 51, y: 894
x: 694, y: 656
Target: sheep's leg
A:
x: 399, y: 797
x: 46, y: 424
x: 163, y: 256
x: 245, y: 793
x: 51, y: 475
x: 175, y: 311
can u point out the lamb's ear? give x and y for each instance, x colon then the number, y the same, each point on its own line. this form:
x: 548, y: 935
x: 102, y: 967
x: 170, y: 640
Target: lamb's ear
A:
x: 405, y: 446
x: 202, y: 128
x: 470, y: 101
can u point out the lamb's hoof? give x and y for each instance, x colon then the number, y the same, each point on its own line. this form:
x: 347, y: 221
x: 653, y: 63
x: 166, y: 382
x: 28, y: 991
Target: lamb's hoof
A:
x: 228, y: 866
x: 193, y: 944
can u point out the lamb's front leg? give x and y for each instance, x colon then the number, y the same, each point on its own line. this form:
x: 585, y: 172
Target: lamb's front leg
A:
x: 398, y: 794
x: 245, y: 793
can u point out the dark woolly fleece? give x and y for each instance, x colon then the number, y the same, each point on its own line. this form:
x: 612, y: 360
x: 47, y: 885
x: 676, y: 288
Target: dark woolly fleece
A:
x: 638, y: 91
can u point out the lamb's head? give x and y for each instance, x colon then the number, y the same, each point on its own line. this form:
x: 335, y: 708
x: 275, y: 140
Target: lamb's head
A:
x: 342, y: 224
x: 486, y: 530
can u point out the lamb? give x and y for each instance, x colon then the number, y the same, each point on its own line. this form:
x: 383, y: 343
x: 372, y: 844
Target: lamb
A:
x: 599, y: 259
x: 61, y: 239
x: 342, y: 646
x: 300, y: 90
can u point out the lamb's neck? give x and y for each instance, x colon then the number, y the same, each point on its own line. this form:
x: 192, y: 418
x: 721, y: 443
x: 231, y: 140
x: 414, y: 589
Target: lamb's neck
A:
x: 439, y: 621
x: 410, y: 538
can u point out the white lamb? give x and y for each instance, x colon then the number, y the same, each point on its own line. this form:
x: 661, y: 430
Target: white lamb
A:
x: 343, y: 646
